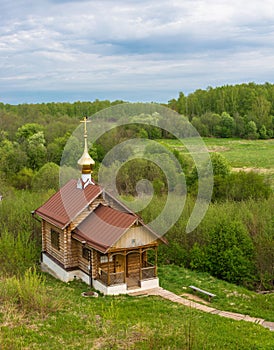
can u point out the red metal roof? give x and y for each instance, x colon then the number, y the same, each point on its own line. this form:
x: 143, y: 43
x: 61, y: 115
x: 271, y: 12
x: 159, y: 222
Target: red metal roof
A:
x: 67, y: 203
x: 103, y: 227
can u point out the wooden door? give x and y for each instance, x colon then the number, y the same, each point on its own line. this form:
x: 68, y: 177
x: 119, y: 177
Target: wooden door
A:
x: 133, y: 270
x: 119, y: 263
x: 133, y: 264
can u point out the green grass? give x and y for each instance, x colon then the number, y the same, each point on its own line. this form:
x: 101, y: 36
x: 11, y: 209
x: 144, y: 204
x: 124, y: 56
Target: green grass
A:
x: 125, y: 322
x: 239, y: 152
x: 243, y: 154
x: 229, y: 297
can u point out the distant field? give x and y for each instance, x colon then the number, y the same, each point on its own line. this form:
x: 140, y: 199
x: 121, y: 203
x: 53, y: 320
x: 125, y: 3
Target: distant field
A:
x: 257, y: 155
x: 245, y: 153
x: 240, y: 153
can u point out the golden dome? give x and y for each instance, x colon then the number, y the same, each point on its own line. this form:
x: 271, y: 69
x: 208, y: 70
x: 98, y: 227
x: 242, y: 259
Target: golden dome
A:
x: 85, y: 159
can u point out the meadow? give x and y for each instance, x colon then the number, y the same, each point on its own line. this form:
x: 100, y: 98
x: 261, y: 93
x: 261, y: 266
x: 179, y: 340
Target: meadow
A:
x: 246, y: 155
x: 239, y: 152
x: 126, y: 322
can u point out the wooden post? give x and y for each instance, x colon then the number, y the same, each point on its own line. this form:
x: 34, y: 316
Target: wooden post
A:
x: 90, y: 266
x: 140, y: 264
x: 156, y: 260
x: 125, y: 259
x: 108, y: 272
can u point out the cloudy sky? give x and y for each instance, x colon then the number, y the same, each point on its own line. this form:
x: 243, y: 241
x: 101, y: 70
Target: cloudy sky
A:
x: 134, y: 50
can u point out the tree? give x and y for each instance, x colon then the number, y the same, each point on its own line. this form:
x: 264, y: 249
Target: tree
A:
x: 182, y: 104
x: 31, y: 138
x: 212, y: 121
x: 251, y: 130
x: 46, y: 178
x: 55, y: 148
x: 23, y: 179
x: 261, y: 110
x: 227, y: 126
x: 220, y: 167
x: 220, y: 164
x: 247, y: 185
x: 229, y: 253
x: 263, y: 132
x: 27, y: 130
x: 36, y: 150
x: 13, y: 158
x: 72, y: 152
x: 241, y: 186
x: 200, y: 127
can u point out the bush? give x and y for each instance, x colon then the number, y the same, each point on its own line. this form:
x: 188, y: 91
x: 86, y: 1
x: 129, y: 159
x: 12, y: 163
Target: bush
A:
x: 241, y: 186
x: 46, y: 178
x: 174, y: 253
x: 28, y: 292
x: 228, y: 255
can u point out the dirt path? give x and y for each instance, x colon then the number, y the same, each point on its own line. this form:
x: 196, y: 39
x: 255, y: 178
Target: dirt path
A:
x: 177, y: 299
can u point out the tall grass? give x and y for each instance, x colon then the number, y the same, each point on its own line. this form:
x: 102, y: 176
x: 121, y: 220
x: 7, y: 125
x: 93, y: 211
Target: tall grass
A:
x: 17, y: 253
x: 27, y: 293
x: 15, y: 212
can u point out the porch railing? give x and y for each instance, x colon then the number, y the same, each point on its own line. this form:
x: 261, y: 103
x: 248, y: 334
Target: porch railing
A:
x: 114, y: 278
x: 148, y: 272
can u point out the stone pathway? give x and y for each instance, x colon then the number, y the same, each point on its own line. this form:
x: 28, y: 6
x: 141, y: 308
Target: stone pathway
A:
x: 177, y: 299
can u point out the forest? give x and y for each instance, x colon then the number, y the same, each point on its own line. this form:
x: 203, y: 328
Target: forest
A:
x: 243, y: 110
x: 234, y: 242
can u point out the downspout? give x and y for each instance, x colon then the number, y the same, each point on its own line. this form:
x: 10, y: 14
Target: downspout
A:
x: 89, y: 262
x: 90, y: 267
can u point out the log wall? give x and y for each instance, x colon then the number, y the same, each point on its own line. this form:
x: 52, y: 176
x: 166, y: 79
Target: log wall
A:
x: 57, y: 254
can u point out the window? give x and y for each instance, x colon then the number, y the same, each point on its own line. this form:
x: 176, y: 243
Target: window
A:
x: 104, y: 259
x: 85, y: 253
x: 55, y: 239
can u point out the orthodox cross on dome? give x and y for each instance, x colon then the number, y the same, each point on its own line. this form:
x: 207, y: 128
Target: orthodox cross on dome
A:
x: 85, y: 121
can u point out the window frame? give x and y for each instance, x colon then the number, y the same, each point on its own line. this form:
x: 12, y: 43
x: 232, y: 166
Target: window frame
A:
x: 86, y: 253
x: 55, y: 239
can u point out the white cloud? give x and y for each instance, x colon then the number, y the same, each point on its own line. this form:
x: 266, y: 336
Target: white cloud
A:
x: 134, y: 46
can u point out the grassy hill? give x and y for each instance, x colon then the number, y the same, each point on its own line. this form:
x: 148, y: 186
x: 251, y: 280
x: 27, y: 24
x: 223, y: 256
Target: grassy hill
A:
x: 127, y: 322
x: 229, y: 297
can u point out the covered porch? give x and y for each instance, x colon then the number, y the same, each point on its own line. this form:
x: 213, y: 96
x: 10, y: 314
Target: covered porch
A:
x: 128, y: 267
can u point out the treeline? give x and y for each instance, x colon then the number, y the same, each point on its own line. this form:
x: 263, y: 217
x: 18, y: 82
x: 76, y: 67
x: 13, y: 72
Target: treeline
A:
x: 34, y: 135
x: 243, y: 110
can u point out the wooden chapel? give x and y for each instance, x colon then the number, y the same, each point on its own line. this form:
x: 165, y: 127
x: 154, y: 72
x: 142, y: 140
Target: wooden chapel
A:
x: 90, y: 235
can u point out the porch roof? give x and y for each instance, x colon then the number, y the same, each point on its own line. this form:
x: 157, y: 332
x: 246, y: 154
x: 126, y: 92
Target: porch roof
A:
x: 103, y: 227
x: 67, y: 203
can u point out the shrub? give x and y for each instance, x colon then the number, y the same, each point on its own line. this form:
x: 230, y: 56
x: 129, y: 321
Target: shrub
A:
x: 228, y: 255
x: 46, y: 178
x: 17, y: 253
x: 28, y: 292
x: 248, y: 185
